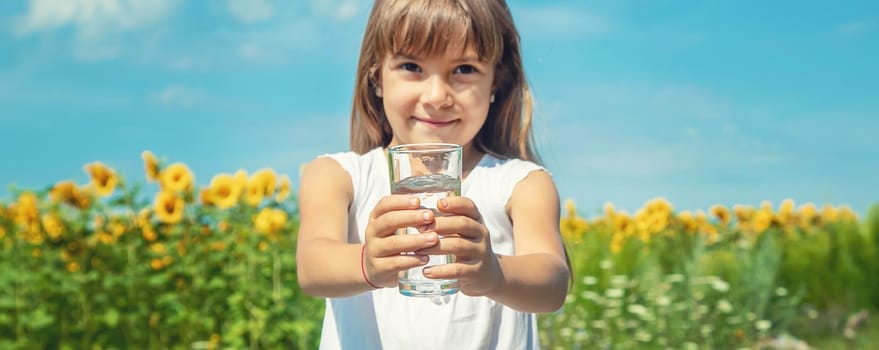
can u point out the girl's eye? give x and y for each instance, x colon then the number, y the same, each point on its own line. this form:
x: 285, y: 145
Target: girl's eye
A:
x: 410, y: 67
x: 465, y: 69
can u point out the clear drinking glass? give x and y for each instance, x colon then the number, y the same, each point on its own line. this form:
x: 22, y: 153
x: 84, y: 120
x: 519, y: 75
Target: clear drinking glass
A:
x: 429, y: 171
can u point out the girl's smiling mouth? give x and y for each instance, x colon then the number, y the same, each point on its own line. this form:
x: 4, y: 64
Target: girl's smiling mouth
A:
x: 435, y: 123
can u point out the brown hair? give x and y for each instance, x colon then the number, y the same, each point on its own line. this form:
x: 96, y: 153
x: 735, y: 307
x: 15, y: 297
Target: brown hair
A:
x: 427, y: 27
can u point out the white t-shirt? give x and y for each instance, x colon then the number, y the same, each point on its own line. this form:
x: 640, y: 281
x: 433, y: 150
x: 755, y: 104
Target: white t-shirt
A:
x: 385, y: 319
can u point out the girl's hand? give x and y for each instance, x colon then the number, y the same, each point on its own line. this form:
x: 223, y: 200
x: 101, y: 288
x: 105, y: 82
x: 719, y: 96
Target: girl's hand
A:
x: 464, y: 235
x: 382, y: 258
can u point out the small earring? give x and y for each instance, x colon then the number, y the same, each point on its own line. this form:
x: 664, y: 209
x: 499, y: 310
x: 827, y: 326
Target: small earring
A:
x: 378, y: 92
x: 491, y: 98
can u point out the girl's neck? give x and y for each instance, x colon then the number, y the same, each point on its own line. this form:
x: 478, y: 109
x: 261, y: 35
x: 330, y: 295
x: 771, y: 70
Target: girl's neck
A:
x: 472, y: 157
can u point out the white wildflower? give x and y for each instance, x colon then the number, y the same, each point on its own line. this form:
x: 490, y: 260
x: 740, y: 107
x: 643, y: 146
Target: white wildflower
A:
x: 643, y: 336
x: 780, y: 291
x: 724, y: 306
x: 614, y: 293
x: 763, y: 325
x: 619, y: 281
x: 637, y: 309
x: 701, y: 310
x: 590, y: 295
x: 589, y: 280
x: 720, y: 285
x: 663, y: 300
x: 675, y: 278
x: 606, y: 264
x: 706, y: 330
x: 600, y: 324
x: 566, y: 332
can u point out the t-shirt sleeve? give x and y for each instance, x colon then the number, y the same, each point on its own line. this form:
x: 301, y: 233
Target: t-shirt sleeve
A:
x: 515, y: 171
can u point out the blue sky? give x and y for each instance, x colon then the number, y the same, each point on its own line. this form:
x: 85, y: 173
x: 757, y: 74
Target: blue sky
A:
x: 700, y: 102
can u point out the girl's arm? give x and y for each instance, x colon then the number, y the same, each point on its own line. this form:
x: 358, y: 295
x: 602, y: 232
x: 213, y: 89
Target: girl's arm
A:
x: 327, y: 265
x: 533, y: 280
x: 536, y: 278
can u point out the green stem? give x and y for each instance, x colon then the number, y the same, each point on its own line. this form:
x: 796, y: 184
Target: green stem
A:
x: 19, y: 330
x: 252, y: 279
x: 276, y: 277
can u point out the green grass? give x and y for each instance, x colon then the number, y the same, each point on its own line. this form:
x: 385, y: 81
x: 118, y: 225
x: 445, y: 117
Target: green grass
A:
x: 866, y: 337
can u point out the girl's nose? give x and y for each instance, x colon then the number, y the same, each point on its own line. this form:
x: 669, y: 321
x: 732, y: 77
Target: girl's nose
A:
x: 437, y: 93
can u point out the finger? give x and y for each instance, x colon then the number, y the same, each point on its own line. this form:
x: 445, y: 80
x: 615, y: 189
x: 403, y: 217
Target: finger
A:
x: 459, y: 225
x: 399, y: 263
x: 394, y: 245
x: 455, y: 270
x: 394, y: 202
x: 462, y: 248
x: 459, y: 206
x: 388, y: 223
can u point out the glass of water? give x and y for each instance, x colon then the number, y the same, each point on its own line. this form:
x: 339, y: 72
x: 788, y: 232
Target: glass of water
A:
x: 429, y: 171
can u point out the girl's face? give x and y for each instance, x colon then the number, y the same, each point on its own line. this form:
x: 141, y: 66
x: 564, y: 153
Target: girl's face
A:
x: 436, y: 99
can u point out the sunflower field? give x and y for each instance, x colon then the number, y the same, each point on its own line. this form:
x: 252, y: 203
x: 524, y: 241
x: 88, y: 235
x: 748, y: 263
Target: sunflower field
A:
x: 113, y: 264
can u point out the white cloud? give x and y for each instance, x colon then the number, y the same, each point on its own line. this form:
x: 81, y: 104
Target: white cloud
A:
x: 854, y: 28
x: 347, y: 10
x: 561, y: 21
x: 250, y: 11
x: 179, y: 96
x: 669, y: 101
x: 643, y: 162
x: 92, y: 17
x: 97, y: 24
x: 340, y: 10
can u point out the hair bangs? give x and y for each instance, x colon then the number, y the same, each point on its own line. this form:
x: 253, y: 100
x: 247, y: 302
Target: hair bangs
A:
x: 430, y: 28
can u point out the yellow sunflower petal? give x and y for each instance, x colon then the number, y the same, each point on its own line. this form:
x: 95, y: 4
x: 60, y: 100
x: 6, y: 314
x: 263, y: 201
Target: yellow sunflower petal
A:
x: 168, y: 207
x: 150, y: 165
x: 103, y: 179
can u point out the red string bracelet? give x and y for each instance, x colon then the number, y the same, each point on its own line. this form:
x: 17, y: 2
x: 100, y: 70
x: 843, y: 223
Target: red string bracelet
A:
x: 363, y: 268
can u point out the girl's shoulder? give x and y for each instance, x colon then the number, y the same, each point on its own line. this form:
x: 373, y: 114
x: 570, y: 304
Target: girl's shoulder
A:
x: 355, y: 164
x: 507, y: 169
x: 499, y: 177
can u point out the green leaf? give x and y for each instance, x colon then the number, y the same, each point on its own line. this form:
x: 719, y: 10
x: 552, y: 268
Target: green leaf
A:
x: 111, y: 317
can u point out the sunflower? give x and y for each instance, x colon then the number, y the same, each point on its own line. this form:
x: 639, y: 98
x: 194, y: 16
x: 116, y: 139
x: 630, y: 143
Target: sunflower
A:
x: 68, y: 192
x: 150, y: 165
x: 254, y: 192
x: 104, y: 179
x: 176, y: 178
x: 266, y: 179
x: 806, y: 215
x: 25, y: 210
x: 168, y: 207
x: 53, y: 225
x: 63, y: 191
x: 205, y: 196
x: 721, y: 213
x: 690, y: 225
x: 283, y: 189
x: 270, y: 220
x: 224, y: 191
x: 762, y: 220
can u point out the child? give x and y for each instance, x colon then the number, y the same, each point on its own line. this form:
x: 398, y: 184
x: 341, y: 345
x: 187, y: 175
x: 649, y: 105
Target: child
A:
x: 445, y: 71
